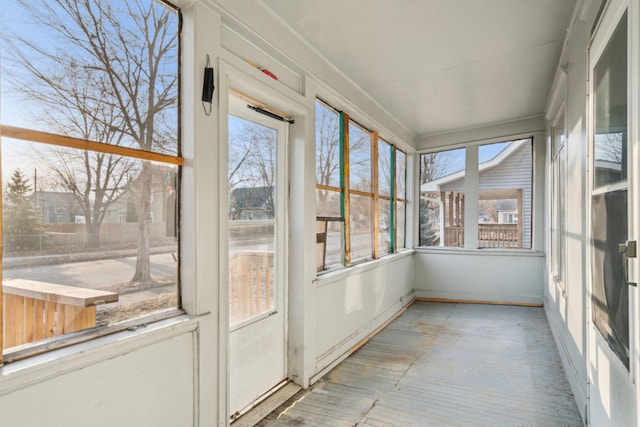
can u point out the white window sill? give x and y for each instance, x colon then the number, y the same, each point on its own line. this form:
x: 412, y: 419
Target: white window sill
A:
x: 480, y: 252
x: 333, y: 276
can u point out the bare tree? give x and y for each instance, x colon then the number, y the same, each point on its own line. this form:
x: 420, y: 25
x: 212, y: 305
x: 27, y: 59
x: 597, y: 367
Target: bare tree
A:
x: 328, y: 158
x: 252, y: 162
x: 327, y: 147
x: 435, y: 165
x: 127, y: 52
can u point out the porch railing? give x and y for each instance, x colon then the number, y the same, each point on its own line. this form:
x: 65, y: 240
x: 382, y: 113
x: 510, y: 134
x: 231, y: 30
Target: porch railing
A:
x: 498, y: 236
x: 489, y: 236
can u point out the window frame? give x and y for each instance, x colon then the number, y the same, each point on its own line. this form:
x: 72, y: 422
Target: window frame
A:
x: 346, y: 191
x: 44, y: 138
x: 472, y: 156
x: 558, y: 214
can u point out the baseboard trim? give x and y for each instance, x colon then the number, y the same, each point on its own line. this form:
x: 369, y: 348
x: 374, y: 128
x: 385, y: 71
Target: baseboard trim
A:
x: 405, y: 302
x: 469, y: 301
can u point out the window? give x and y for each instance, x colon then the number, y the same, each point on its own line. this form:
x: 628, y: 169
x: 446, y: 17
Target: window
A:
x: 91, y: 168
x: 399, y: 195
x: 505, y: 184
x: 558, y: 195
x: 329, y: 183
x: 442, y: 198
x: 503, y: 180
x: 360, y: 191
x: 384, y: 197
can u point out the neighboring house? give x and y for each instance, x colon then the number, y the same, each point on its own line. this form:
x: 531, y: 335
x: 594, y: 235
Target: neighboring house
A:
x: 251, y: 203
x: 507, y: 211
x: 506, y: 179
x: 55, y: 207
x: 162, y: 188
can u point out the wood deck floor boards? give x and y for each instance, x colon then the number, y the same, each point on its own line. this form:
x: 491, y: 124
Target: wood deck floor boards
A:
x: 444, y: 364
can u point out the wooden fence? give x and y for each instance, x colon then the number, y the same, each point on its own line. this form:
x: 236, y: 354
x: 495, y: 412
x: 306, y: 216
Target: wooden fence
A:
x: 35, y: 311
x: 68, y: 238
x: 251, y: 288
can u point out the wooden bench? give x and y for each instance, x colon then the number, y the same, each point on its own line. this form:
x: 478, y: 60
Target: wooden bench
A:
x: 38, y: 310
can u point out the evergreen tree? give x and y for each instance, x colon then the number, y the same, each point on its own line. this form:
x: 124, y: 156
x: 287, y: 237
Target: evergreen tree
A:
x: 427, y: 227
x: 19, y: 214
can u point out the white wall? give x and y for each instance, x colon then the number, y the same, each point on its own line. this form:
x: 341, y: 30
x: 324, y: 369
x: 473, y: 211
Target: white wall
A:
x: 493, y: 276
x: 350, y: 305
x: 602, y: 386
x: 149, y: 380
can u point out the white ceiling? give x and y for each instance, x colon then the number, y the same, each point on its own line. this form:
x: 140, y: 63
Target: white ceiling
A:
x: 440, y: 65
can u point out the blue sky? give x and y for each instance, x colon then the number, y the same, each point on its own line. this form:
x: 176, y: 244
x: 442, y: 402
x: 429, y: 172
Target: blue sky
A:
x: 485, y: 153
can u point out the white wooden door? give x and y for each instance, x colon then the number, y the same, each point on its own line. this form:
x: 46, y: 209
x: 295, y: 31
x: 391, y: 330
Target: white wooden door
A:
x: 257, y: 274
x: 612, y: 364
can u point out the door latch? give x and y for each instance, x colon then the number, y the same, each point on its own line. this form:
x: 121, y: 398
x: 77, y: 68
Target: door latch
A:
x: 628, y: 249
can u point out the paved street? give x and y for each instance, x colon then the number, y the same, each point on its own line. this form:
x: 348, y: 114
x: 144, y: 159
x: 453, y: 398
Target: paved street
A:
x: 93, y: 274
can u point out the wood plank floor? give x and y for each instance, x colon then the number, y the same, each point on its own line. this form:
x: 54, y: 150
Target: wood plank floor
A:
x: 444, y: 364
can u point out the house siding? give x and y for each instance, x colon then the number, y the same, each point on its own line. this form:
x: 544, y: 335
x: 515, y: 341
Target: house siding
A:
x: 515, y: 171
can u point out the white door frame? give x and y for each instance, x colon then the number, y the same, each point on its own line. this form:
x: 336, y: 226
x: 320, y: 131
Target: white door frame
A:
x: 235, y: 74
x: 596, y: 347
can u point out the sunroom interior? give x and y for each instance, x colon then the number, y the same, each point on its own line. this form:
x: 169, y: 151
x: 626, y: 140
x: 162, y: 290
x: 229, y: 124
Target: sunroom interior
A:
x: 206, y: 201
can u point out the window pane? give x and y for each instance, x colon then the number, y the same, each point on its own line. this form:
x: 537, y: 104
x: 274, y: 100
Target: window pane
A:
x: 558, y: 193
x: 562, y: 218
x: 118, y: 246
x: 333, y: 251
x: 56, y: 77
x: 252, y: 163
x: 384, y: 224
x: 610, y: 111
x: 442, y: 198
x: 361, y: 238
x: 401, y: 174
x: 504, y: 205
x: 384, y: 168
x: 251, y: 270
x: 400, y: 225
x: 327, y: 146
x: 328, y: 203
x: 359, y: 159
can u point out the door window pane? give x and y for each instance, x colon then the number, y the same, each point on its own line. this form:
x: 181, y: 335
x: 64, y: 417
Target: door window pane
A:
x: 251, y: 271
x: 252, y: 213
x: 610, y: 111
